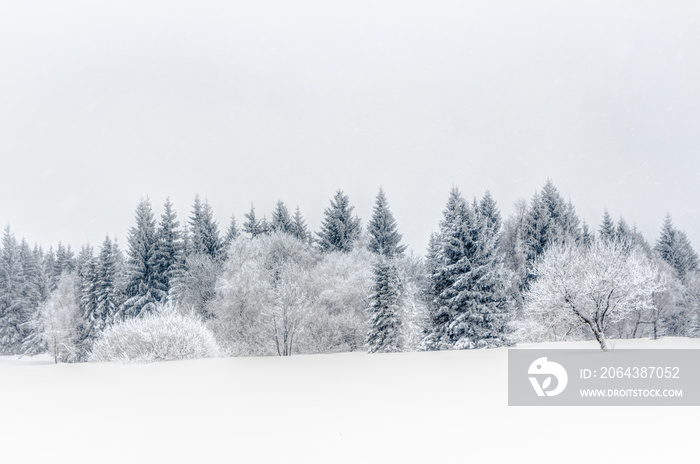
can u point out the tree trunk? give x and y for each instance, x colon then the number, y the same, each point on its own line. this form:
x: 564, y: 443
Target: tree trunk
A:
x: 601, y: 340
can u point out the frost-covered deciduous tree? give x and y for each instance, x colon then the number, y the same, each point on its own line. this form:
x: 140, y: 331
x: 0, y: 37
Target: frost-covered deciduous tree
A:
x: 415, y: 299
x: 60, y: 319
x: 589, y: 288
x: 341, y: 286
x: 263, y: 297
x: 289, y: 309
x: 195, y: 287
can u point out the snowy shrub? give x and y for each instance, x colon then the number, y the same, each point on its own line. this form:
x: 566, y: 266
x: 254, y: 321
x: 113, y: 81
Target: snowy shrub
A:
x: 163, y: 335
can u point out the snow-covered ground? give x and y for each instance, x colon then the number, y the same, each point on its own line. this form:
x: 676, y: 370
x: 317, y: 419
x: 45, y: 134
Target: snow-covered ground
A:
x: 408, y: 407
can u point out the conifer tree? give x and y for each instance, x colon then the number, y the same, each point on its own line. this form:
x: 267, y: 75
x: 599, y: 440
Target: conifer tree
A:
x: 384, y: 334
x: 33, y: 342
x: 169, y: 248
x: 252, y: 224
x: 537, y: 229
x: 51, y: 270
x: 549, y: 220
x: 232, y: 233
x: 489, y: 210
x: 89, y: 322
x: 339, y: 229
x: 674, y: 247
x: 281, y: 220
x: 607, y: 228
x: 384, y: 238
x: 143, y: 289
x: 441, y: 262
x: 586, y: 236
x: 108, y: 294
x: 13, y: 313
x: 265, y: 228
x: 204, y: 230
x: 65, y: 260
x: 470, y: 309
x: 299, y: 229
x: 31, y: 291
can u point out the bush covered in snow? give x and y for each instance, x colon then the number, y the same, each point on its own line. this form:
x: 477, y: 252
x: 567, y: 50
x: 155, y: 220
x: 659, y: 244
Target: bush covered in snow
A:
x: 164, y: 335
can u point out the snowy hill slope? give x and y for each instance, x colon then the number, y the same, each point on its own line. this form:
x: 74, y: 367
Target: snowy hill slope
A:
x: 406, y: 407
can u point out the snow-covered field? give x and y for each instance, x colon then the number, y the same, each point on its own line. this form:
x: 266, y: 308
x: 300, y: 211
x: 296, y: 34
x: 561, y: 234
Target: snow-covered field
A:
x: 407, y: 407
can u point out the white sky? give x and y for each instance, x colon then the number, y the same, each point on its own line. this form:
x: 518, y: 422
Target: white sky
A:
x: 102, y: 103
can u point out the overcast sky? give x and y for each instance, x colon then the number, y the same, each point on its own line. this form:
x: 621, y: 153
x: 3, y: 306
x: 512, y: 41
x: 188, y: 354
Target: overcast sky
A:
x: 102, y: 103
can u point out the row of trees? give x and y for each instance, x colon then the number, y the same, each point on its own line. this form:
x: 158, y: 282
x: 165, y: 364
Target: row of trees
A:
x: 273, y: 287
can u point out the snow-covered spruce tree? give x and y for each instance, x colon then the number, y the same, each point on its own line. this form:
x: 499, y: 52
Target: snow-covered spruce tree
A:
x: 339, y: 229
x: 265, y: 228
x: 232, y: 233
x: 281, y: 220
x: 580, y: 288
x: 440, y: 258
x: 384, y: 334
x: 252, y: 225
x: 470, y: 309
x: 88, y: 328
x: 169, y: 248
x: 65, y: 259
x: 607, y: 228
x: 204, y: 230
x: 489, y: 211
x: 143, y: 288
x: 674, y: 247
x: 108, y: 292
x: 50, y: 269
x: 586, y: 236
x: 299, y: 229
x: 384, y: 238
x: 31, y: 293
x: 13, y: 312
x: 549, y: 221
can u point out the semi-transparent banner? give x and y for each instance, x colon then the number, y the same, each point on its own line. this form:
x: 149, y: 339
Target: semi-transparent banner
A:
x: 597, y: 378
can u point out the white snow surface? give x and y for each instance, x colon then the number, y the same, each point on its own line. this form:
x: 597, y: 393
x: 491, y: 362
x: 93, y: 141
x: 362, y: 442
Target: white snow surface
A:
x: 332, y: 408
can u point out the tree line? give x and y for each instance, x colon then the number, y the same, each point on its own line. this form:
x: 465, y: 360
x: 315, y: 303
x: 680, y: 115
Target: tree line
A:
x: 274, y: 287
